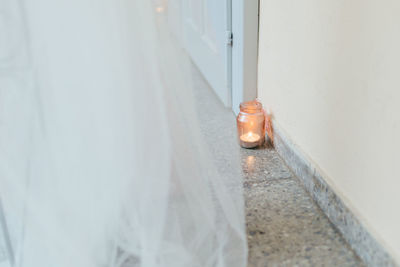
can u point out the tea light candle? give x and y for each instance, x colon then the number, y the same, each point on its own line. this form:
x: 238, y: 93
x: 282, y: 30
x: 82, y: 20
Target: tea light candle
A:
x: 250, y: 137
x: 250, y: 140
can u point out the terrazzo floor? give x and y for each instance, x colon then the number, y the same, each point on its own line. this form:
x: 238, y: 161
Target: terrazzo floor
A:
x: 284, y: 226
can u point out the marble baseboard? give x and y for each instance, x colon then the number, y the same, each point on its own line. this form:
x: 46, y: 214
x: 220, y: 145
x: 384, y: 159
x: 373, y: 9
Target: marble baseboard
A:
x: 351, y: 227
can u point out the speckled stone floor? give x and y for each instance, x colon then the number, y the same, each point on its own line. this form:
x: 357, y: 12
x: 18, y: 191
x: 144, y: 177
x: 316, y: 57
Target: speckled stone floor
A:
x: 284, y: 225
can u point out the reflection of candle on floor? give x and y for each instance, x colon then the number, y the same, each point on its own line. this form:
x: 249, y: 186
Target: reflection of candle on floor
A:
x: 250, y: 137
x: 250, y: 163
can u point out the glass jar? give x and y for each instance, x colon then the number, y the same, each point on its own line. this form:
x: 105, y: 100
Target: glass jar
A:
x: 251, y: 124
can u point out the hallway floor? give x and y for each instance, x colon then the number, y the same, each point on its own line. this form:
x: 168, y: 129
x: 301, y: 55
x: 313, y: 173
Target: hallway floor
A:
x: 284, y: 225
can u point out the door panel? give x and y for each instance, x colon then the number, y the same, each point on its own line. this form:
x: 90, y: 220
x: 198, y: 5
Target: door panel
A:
x: 206, y: 23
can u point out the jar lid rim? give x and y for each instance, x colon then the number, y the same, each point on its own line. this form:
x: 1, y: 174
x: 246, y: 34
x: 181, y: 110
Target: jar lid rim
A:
x: 251, y: 105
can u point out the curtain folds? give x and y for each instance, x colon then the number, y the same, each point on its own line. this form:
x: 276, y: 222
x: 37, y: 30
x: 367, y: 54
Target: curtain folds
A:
x: 101, y: 158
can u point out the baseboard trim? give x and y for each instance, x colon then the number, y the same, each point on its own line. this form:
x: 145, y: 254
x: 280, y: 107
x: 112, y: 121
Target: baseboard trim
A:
x: 347, y: 222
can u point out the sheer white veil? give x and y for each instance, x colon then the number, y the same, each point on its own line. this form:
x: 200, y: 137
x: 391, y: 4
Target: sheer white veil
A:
x: 101, y: 159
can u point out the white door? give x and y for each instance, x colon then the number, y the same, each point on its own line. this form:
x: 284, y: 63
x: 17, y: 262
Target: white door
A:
x: 207, y: 32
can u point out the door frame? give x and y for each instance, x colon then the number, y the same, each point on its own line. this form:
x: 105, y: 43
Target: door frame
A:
x: 245, y: 21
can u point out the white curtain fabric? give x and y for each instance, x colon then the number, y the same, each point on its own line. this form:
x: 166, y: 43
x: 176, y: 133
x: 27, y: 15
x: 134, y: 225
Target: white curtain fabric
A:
x: 101, y: 159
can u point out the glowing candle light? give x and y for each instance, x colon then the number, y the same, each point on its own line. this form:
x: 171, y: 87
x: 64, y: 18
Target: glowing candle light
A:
x: 159, y: 9
x: 250, y: 137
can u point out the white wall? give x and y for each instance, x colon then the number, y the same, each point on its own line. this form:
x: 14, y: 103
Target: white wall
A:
x: 330, y: 73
